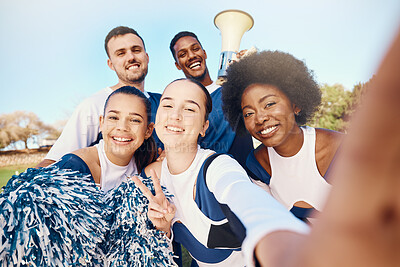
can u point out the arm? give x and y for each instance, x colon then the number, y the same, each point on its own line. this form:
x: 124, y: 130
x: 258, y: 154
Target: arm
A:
x: 259, y: 212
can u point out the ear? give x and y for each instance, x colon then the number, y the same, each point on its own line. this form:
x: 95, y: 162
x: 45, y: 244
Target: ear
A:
x: 205, y: 54
x: 296, y: 110
x: 149, y: 130
x: 205, y: 127
x: 177, y: 66
x: 148, y: 58
x: 110, y: 65
x: 101, y: 120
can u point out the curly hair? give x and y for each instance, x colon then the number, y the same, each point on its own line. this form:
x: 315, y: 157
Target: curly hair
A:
x: 276, y: 68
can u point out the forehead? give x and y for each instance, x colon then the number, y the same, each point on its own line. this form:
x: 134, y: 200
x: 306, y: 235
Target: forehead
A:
x: 124, y: 41
x: 256, y: 91
x: 185, y: 42
x: 185, y: 90
x: 126, y: 103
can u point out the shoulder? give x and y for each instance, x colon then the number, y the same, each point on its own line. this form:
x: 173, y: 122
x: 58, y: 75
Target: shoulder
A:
x: 90, y: 156
x: 96, y: 99
x: 327, y: 139
x: 156, y: 166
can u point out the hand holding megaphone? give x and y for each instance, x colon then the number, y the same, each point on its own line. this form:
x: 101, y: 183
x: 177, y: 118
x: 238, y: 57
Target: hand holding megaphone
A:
x: 232, y: 25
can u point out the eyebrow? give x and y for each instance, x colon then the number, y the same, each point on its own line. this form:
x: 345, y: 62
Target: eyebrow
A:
x: 187, y: 101
x: 130, y: 113
x: 259, y: 100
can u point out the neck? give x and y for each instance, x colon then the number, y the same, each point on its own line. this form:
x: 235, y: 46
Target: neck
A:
x: 180, y: 158
x: 293, y: 143
x: 138, y: 85
x: 205, y: 80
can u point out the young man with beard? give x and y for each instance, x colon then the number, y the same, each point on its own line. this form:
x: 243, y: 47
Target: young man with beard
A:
x: 128, y: 58
x: 190, y: 57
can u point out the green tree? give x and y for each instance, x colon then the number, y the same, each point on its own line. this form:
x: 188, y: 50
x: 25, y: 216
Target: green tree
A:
x: 332, y: 113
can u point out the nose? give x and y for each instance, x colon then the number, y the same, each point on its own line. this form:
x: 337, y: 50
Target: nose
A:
x: 123, y: 125
x: 192, y: 54
x: 176, y: 114
x: 130, y: 55
x: 261, y: 117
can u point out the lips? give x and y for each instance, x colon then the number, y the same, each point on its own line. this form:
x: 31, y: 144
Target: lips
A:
x: 268, y: 131
x: 133, y: 66
x: 195, y: 65
x: 174, y: 129
x: 122, y: 139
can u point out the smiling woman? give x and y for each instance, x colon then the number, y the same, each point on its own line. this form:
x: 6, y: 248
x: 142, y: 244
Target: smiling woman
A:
x: 274, y: 94
x: 127, y: 145
x: 62, y: 201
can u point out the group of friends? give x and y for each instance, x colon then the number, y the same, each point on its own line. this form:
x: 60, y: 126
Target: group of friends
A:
x: 232, y: 204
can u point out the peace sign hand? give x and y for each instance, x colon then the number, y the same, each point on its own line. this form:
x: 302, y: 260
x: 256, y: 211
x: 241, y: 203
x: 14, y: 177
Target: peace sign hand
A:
x: 161, y: 211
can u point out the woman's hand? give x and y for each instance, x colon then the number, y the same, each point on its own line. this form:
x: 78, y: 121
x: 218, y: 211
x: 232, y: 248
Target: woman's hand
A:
x: 161, y: 211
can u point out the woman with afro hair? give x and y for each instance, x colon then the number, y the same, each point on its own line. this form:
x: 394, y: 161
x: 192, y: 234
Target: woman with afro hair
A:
x: 272, y: 95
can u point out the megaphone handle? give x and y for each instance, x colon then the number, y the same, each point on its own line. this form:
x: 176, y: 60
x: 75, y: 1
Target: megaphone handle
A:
x: 224, y: 61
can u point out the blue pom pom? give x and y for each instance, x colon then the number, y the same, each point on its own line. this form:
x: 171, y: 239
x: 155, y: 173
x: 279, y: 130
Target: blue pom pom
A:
x: 132, y: 239
x: 51, y: 217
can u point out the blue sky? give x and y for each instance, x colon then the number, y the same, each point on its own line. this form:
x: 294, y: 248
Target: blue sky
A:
x: 53, y: 52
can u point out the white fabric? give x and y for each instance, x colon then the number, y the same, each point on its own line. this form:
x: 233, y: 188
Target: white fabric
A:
x: 113, y: 175
x: 212, y: 87
x: 257, y: 210
x: 82, y: 127
x: 297, y: 178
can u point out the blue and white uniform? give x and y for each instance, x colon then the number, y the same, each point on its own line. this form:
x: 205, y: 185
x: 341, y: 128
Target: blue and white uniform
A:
x: 219, y: 136
x: 295, y: 178
x: 111, y: 175
x: 83, y: 128
x: 222, y: 223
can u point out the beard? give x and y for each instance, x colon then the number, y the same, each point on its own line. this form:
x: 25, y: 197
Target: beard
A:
x: 133, y: 77
x: 200, y: 77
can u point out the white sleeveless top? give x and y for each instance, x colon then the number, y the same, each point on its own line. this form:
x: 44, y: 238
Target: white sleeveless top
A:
x: 113, y: 175
x: 297, y: 178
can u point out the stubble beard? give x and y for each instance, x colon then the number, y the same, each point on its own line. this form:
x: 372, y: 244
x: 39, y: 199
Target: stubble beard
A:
x: 133, y: 78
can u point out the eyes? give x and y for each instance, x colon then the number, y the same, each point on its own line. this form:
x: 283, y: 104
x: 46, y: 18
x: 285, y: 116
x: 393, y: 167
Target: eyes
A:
x: 183, y: 53
x: 134, y: 49
x: 185, y: 108
x: 131, y: 119
x: 250, y: 111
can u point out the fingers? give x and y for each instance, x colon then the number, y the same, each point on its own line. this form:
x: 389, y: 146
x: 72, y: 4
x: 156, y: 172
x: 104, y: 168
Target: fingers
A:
x: 161, y: 154
x: 146, y: 191
x: 156, y: 183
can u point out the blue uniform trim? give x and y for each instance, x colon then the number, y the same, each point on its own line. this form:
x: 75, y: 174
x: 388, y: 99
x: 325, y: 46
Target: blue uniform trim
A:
x: 222, y: 239
x: 219, y: 135
x: 196, y: 249
x: 155, y: 101
x: 73, y: 162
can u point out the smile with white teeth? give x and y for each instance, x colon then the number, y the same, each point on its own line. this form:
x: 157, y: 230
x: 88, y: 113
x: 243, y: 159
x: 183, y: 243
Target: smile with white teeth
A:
x: 268, y: 130
x: 121, y: 139
x: 133, y: 67
x: 174, y: 129
x: 195, y: 65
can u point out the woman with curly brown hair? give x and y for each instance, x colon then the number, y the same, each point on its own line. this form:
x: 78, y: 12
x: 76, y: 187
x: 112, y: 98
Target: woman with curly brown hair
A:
x: 272, y: 95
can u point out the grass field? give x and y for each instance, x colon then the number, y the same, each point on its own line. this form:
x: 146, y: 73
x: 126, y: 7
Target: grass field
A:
x: 7, y: 172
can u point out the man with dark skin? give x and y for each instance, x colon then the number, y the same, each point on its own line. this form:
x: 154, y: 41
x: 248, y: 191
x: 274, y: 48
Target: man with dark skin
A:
x: 190, y: 57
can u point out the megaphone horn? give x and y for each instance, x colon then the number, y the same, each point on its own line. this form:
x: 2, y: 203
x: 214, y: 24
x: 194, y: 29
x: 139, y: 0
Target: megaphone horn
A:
x: 232, y: 25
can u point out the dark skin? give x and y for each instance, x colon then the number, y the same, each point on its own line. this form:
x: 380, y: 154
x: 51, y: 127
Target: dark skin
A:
x: 269, y: 116
x: 360, y: 225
